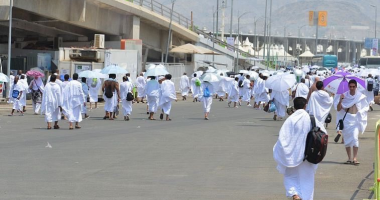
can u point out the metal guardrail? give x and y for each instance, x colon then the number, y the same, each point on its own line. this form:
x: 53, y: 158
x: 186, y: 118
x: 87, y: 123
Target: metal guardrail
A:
x: 376, y: 186
x: 222, y: 43
x: 163, y: 11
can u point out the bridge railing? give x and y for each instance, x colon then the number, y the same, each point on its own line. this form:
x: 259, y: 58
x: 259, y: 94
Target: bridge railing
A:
x: 164, y: 11
x: 222, y: 43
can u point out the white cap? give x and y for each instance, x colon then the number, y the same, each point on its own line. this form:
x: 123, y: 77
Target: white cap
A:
x: 161, y: 77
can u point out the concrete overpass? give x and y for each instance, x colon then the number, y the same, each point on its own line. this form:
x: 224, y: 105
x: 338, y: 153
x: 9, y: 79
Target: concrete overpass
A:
x: 46, y: 24
x: 347, y: 50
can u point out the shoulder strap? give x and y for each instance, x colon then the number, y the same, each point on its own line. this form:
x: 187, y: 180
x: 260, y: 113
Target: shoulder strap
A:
x: 312, y: 118
x: 346, y: 113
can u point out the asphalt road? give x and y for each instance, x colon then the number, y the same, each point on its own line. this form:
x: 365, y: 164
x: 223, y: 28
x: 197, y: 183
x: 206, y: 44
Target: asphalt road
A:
x: 228, y: 157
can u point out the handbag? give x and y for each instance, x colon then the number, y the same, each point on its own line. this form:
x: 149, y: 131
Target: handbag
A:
x: 340, y: 123
x: 272, y: 107
x: 15, y: 94
x: 266, y: 107
x: 130, y: 96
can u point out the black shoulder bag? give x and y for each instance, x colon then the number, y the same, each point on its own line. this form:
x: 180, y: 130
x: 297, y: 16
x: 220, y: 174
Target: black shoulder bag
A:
x: 341, y: 126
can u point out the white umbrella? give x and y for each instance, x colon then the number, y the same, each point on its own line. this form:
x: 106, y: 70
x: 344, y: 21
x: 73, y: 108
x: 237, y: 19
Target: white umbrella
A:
x: 156, y: 71
x: 243, y: 71
x: 4, y: 78
x: 253, y: 75
x: 113, y: 69
x: 199, y: 73
x: 91, y: 74
x: 210, y: 77
x: 280, y: 82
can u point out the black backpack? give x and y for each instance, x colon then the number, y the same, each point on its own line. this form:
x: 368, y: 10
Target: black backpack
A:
x: 241, y: 84
x: 130, y: 96
x: 328, y: 119
x: 316, y: 144
x: 108, y: 92
x: 370, y: 85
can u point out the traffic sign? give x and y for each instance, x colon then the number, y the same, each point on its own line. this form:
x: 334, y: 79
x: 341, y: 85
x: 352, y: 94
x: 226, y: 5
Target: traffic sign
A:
x: 311, y: 18
x: 322, y: 18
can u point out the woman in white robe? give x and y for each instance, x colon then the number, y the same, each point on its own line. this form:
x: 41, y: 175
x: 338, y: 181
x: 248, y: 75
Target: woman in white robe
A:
x: 185, y: 86
x: 94, y: 86
x: 52, y: 102
x: 37, y: 88
x: 152, y: 90
x: 125, y: 88
x: 168, y: 95
x: 207, y: 101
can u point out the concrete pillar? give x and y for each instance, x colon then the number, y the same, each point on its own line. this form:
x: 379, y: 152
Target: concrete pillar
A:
x: 346, y: 51
x: 136, y: 28
x: 294, y: 47
x: 325, y: 46
x: 335, y: 47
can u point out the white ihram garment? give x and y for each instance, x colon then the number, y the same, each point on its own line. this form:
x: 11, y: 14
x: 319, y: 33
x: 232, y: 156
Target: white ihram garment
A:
x: 196, y: 90
x: 354, y: 123
x: 168, y: 95
x: 19, y: 86
x: 246, y: 91
x: 302, y: 90
x: 222, y: 87
x: 288, y: 152
x: 140, y: 84
x: 281, y: 101
x: 73, y: 100
x: 93, y: 91
x: 261, y: 92
x: 184, y: 85
x: 320, y: 104
x: 233, y: 95
x: 24, y: 92
x: 152, y: 90
x: 207, y: 101
x: 85, y: 92
x: 51, y: 100
x: 125, y: 88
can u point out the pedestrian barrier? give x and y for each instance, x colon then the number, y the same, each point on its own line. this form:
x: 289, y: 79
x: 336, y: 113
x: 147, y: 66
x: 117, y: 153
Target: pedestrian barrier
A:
x: 376, y: 186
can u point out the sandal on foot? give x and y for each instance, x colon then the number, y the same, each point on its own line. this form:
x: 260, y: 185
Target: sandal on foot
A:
x: 48, y: 128
x: 347, y: 162
x: 56, y: 127
x: 355, y: 162
x: 71, y: 128
x: 78, y: 127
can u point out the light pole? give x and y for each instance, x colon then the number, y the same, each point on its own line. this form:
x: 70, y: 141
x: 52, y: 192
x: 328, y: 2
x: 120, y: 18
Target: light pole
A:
x: 213, y: 30
x: 9, y: 44
x: 170, y: 32
x: 298, y: 39
x: 269, y: 32
x: 238, y: 35
x: 375, y: 18
x: 255, y: 33
x: 232, y: 14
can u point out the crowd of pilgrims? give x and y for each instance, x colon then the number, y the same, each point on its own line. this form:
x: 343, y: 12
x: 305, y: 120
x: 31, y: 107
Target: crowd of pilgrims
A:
x: 159, y: 92
x: 67, y: 99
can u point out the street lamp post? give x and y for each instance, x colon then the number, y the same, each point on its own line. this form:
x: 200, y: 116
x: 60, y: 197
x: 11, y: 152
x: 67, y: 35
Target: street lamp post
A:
x: 299, y: 40
x: 9, y: 44
x: 238, y: 35
x: 375, y: 18
x: 255, y: 33
x: 170, y: 32
x: 213, y: 30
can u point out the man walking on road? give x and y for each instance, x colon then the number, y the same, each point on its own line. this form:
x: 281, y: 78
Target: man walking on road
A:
x: 185, y: 86
x: 355, y: 104
x: 52, y: 102
x: 289, y: 153
x: 320, y: 103
x: 73, y: 100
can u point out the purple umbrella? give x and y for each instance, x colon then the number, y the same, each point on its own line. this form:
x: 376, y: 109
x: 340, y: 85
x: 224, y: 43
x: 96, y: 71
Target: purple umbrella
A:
x: 338, y: 83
